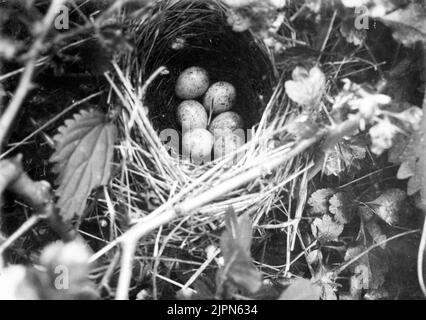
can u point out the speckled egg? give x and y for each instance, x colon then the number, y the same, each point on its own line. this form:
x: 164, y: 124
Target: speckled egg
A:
x: 192, y: 83
x: 192, y: 115
x: 227, y: 144
x: 198, y: 144
x: 220, y: 97
x: 227, y: 121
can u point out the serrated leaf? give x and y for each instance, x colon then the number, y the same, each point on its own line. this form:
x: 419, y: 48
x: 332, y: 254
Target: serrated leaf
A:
x: 319, y: 200
x: 301, y: 289
x: 235, y: 244
x: 83, y: 156
x: 340, y: 207
x: 326, y: 229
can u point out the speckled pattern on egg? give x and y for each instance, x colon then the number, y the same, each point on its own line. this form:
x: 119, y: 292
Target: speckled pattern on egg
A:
x: 198, y: 144
x: 226, y: 121
x: 192, y: 115
x: 227, y: 144
x: 220, y: 97
x: 192, y: 83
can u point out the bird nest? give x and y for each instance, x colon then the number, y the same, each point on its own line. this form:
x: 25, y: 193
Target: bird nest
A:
x: 171, y: 36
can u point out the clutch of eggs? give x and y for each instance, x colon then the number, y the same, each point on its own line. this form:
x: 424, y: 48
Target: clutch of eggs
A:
x: 219, y: 98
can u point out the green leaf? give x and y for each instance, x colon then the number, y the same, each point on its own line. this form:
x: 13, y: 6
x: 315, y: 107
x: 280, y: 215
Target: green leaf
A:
x: 373, y: 266
x: 389, y: 206
x: 411, y: 153
x: 326, y: 229
x: 83, y: 157
x: 235, y: 244
x: 319, y: 200
x: 301, y: 289
x: 341, y: 208
x: 307, y: 87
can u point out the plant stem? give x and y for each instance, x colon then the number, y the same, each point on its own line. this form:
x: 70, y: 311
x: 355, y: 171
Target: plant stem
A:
x: 27, y: 225
x: 129, y: 248
x: 24, y: 85
x: 132, y: 236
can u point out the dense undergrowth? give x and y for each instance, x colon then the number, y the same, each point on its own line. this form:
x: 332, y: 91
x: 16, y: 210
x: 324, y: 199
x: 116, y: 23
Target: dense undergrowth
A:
x: 327, y: 203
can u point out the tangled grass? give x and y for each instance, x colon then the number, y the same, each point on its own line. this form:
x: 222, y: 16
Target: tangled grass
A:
x: 267, y: 180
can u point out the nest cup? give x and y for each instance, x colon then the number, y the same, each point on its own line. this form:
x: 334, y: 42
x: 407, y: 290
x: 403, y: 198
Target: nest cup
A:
x: 182, y: 34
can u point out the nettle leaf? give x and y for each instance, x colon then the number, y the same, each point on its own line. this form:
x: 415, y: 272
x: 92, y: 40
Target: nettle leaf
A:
x: 83, y: 156
x: 235, y: 244
x: 408, y: 24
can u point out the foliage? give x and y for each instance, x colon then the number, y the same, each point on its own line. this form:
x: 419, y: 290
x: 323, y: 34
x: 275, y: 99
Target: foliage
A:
x: 84, y: 150
x: 332, y: 213
x: 235, y: 245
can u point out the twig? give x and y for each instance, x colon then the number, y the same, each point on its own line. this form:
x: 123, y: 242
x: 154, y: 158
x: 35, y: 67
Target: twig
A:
x: 25, y: 81
x: 109, y: 272
x: 129, y: 248
x: 420, y: 259
x: 422, y: 246
x: 130, y: 238
x: 26, y: 226
x: 51, y: 121
x: 37, y: 194
x: 379, y: 244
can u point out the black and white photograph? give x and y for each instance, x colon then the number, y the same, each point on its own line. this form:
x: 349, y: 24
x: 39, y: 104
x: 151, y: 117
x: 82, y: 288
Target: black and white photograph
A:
x: 208, y: 155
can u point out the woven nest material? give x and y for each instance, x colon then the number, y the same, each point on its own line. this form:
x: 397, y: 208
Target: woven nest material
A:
x: 237, y: 57
x: 154, y: 180
x: 182, y: 34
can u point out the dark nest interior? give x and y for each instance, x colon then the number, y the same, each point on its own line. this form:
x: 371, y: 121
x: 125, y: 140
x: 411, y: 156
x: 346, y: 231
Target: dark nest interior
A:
x: 181, y: 34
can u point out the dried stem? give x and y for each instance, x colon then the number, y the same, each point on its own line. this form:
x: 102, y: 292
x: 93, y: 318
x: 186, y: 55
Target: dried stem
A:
x: 132, y: 236
x: 25, y: 81
x: 26, y: 226
x: 127, y: 256
x: 37, y: 194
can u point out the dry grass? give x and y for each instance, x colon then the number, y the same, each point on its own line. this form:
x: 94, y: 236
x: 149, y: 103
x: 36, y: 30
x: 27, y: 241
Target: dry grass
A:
x: 176, y: 253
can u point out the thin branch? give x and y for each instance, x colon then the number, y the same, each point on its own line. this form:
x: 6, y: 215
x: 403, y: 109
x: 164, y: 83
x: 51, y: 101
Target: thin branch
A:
x: 26, y: 226
x: 126, y: 268
x: 379, y: 244
x: 37, y: 194
x: 25, y: 82
x: 420, y: 259
x: 50, y: 122
x: 141, y: 229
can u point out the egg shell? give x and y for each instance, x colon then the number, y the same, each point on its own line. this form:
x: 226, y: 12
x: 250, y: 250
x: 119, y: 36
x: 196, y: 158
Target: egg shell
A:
x: 192, y: 115
x: 192, y: 83
x: 227, y: 144
x: 198, y: 144
x: 220, y: 97
x: 224, y: 122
